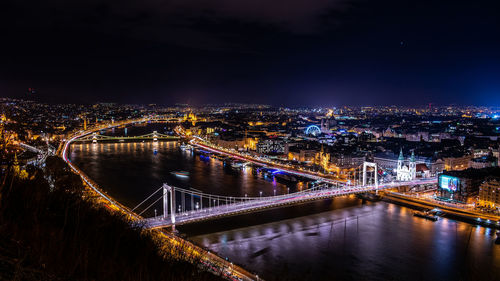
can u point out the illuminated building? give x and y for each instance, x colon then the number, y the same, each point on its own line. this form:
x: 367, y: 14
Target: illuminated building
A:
x: 489, y: 192
x: 301, y: 155
x: 270, y: 146
x: 190, y: 117
x: 323, y: 159
x: 457, y: 163
x: 251, y: 143
x: 483, y: 162
x: 403, y: 172
x: 463, y: 186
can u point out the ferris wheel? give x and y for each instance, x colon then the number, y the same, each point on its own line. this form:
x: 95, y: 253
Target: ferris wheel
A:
x: 313, y: 130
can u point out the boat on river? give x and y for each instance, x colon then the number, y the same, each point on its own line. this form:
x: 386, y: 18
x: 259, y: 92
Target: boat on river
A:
x: 182, y: 174
x: 426, y: 215
x: 284, y: 178
x: 186, y: 146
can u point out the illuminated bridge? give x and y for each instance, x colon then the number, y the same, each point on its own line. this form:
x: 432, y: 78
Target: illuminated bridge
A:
x: 42, y: 154
x: 182, y: 206
x: 95, y: 137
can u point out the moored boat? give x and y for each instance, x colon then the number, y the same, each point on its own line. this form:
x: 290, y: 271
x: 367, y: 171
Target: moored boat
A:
x: 183, y: 174
x: 426, y: 215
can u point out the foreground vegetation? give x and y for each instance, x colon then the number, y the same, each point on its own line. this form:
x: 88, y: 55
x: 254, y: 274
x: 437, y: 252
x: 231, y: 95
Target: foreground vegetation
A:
x: 52, y: 229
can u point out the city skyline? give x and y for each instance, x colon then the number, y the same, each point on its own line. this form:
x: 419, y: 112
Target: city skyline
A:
x: 252, y: 189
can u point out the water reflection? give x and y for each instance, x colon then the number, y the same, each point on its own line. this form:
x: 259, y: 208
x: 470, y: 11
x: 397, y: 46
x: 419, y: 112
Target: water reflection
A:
x: 366, y: 242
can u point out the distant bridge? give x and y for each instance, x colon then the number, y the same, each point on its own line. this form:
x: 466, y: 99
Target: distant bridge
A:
x: 42, y: 154
x: 95, y: 137
x: 31, y: 148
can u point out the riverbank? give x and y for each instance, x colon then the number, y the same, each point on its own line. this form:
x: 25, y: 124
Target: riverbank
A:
x: 456, y: 213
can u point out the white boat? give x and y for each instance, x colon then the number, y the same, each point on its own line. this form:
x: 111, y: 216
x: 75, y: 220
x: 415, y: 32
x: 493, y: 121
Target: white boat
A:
x: 185, y: 146
x: 182, y: 174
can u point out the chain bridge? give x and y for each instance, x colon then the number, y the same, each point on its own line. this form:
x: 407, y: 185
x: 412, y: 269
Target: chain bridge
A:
x: 96, y: 137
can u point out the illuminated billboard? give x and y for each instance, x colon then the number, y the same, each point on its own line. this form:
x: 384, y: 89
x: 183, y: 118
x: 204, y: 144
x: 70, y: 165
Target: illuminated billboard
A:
x: 448, y: 182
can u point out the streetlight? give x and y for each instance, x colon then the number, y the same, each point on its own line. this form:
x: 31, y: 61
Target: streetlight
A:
x: 260, y: 193
x: 275, y: 192
x: 155, y: 213
x: 288, y: 190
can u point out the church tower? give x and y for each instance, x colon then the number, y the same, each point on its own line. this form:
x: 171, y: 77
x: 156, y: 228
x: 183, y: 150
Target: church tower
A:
x: 413, y: 166
x: 401, y: 160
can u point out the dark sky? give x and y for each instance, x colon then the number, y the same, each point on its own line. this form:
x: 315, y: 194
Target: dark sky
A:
x: 282, y: 52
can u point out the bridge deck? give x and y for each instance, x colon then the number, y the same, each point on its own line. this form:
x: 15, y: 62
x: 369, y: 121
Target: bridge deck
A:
x: 264, y: 203
x: 118, y: 138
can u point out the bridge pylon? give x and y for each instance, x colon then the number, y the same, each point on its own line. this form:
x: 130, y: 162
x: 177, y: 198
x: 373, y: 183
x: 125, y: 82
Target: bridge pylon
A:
x: 167, y: 189
x: 365, y: 166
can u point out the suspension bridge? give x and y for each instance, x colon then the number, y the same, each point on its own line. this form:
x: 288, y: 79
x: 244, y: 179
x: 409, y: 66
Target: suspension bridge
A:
x: 41, y: 153
x: 182, y: 206
x: 96, y: 137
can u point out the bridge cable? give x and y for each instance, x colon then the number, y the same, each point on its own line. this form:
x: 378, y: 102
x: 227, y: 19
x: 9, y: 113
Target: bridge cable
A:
x: 151, y: 204
x: 143, y: 201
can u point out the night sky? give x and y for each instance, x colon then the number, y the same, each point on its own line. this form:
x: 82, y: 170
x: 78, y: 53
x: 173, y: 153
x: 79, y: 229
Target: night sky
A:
x: 281, y: 52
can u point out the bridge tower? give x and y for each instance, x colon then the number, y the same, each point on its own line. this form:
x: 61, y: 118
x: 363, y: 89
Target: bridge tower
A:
x: 365, y: 166
x: 94, y: 137
x: 167, y: 189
